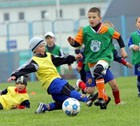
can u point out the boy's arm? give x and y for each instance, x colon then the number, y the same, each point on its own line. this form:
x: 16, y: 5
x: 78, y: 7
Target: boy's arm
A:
x: 24, y: 104
x: 29, y: 67
x: 3, y: 92
x: 118, y: 37
x: 78, y: 39
x: 132, y: 46
x: 57, y: 61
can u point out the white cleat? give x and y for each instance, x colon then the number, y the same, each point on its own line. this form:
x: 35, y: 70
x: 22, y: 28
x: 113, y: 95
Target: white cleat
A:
x: 40, y: 108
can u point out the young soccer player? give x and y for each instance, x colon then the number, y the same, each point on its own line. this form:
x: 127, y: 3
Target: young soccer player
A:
x: 15, y: 97
x: 117, y: 58
x: 98, y: 49
x: 53, y: 48
x: 44, y: 65
x: 134, y: 45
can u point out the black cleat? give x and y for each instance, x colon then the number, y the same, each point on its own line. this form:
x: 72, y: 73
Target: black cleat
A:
x: 91, y: 98
x: 100, y: 102
x: 109, y: 99
x: 103, y: 104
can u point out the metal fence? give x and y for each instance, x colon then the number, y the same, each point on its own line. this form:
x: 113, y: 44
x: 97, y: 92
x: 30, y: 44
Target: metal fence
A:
x: 12, y: 55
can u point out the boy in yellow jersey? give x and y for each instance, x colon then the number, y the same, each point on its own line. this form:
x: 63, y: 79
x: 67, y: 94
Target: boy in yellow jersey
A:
x: 98, y: 51
x: 15, y: 97
x: 44, y: 64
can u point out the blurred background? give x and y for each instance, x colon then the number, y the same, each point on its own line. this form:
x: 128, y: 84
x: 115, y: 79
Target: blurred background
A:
x: 20, y: 20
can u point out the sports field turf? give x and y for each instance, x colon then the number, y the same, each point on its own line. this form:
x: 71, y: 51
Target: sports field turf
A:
x: 127, y: 114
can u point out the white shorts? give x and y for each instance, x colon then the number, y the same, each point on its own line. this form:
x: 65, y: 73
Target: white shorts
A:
x: 103, y: 63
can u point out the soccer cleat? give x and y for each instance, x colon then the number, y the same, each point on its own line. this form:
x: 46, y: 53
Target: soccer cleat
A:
x: 77, y: 88
x: 40, y: 108
x: 91, y: 98
x: 109, y: 99
x: 138, y: 94
x: 121, y: 103
x: 100, y: 102
x: 103, y: 104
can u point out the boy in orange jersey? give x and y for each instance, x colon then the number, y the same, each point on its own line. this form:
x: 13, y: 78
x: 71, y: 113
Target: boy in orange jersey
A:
x: 98, y: 52
x: 15, y: 97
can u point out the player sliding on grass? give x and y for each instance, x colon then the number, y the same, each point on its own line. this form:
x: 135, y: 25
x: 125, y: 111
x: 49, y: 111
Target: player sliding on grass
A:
x: 44, y: 64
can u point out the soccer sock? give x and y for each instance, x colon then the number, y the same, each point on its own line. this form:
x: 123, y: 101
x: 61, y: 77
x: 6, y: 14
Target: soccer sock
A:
x: 105, y: 97
x: 101, y: 88
x: 82, y: 85
x: 45, y: 107
x: 50, y: 107
x: 75, y: 94
x: 138, y: 86
x: 116, y: 95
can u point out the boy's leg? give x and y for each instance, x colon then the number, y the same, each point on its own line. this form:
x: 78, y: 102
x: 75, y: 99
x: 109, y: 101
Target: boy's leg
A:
x: 138, y: 85
x: 137, y: 73
x: 71, y: 92
x: 98, y: 72
x: 112, y: 82
x: 42, y: 107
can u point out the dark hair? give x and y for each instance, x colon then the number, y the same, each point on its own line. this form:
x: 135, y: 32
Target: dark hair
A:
x: 21, y: 80
x: 95, y: 9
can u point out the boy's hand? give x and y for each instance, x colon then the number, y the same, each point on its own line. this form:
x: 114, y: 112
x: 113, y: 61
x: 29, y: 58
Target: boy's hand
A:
x: 11, y: 78
x: 71, y: 40
x: 136, y: 48
x: 78, y: 56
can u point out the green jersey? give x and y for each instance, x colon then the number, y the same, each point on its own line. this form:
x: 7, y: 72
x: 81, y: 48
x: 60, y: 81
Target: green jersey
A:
x: 98, y: 46
x: 55, y: 50
x: 135, y: 58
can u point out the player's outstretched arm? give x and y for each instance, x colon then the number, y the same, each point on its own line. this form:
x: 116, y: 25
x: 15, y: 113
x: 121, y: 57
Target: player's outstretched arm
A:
x: 11, y: 78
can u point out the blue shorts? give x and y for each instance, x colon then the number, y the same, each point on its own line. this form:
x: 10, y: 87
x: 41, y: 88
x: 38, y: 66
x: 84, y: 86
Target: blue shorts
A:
x: 55, y: 89
x: 56, y: 86
x: 137, y: 70
x: 108, y: 77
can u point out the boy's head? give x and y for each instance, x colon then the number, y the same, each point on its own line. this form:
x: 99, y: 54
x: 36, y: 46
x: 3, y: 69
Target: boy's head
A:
x: 138, y: 23
x: 21, y: 80
x: 49, y: 38
x: 36, y: 42
x: 49, y: 34
x: 94, y: 16
x: 108, y: 24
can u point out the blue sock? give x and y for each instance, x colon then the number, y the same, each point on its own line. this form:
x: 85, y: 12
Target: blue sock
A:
x: 45, y: 107
x: 77, y: 95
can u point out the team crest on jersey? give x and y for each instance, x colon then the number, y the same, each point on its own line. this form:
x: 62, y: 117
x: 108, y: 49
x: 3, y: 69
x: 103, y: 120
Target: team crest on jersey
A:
x: 95, y: 45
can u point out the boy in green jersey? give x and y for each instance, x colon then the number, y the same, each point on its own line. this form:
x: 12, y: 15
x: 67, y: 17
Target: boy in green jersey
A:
x: 134, y: 45
x: 98, y: 52
x: 54, y: 49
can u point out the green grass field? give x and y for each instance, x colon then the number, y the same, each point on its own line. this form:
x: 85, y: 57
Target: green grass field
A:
x: 121, y: 115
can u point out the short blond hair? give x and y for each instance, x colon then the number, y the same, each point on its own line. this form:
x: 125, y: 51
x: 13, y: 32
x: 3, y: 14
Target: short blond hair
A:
x: 108, y: 23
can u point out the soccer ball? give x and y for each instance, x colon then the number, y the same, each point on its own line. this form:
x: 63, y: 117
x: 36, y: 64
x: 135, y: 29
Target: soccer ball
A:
x: 71, y: 106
